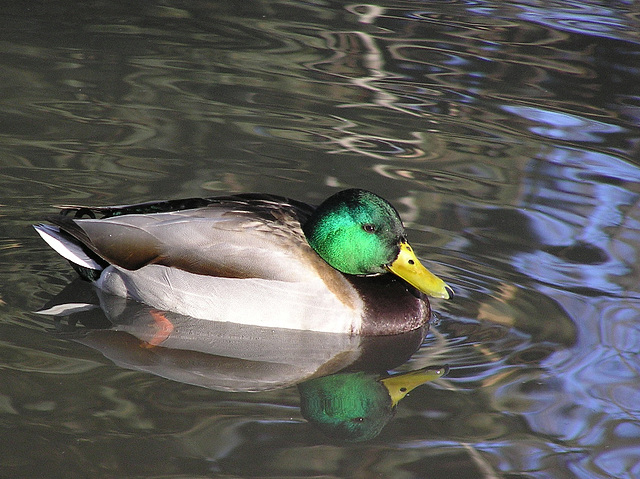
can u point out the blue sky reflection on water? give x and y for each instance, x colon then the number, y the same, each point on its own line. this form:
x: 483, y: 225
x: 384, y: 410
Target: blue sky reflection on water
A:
x: 564, y: 126
x: 589, y: 270
x: 506, y: 133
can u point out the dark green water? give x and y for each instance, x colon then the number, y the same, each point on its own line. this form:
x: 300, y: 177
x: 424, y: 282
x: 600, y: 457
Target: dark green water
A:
x: 506, y: 134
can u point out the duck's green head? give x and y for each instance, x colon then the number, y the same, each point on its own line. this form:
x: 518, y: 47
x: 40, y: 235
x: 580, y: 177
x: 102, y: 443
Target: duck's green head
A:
x: 357, y: 232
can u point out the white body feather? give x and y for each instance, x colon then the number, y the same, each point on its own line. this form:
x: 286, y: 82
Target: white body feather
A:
x: 279, y: 304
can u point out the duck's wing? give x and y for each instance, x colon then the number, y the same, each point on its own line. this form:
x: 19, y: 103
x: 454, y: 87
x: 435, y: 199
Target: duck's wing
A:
x: 243, y: 236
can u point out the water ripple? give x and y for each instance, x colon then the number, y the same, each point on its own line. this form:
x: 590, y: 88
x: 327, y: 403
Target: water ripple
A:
x: 37, y: 361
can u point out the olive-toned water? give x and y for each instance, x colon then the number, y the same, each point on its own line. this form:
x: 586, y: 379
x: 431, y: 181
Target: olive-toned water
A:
x: 505, y: 133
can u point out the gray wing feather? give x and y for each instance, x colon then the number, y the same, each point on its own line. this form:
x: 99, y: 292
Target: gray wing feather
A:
x: 211, y: 241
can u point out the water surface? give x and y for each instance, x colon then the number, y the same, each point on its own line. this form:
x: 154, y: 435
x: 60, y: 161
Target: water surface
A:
x: 506, y: 134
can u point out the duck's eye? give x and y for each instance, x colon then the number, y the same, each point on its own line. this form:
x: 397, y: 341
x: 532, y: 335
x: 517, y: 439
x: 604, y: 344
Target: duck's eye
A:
x: 369, y: 228
x: 357, y: 419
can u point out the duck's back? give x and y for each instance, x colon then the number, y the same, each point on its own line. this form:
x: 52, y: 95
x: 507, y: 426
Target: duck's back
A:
x: 231, y: 237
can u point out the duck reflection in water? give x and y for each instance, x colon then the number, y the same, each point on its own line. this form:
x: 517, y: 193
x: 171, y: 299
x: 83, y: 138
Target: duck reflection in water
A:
x: 344, y: 388
x: 355, y: 406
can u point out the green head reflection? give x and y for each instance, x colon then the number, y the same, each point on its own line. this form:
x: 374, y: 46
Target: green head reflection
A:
x: 356, y: 406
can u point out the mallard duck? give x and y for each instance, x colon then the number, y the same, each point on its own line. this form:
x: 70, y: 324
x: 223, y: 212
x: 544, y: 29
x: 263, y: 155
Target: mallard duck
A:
x: 256, y: 259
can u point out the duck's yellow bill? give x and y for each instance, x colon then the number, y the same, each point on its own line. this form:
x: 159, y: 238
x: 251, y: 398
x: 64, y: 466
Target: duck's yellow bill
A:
x: 400, y: 385
x: 409, y: 268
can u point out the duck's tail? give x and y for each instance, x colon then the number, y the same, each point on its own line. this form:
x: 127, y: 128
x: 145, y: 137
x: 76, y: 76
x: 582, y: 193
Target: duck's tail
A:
x: 87, y: 265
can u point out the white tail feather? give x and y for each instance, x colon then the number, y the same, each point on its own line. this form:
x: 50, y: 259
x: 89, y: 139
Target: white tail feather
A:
x: 66, y: 247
